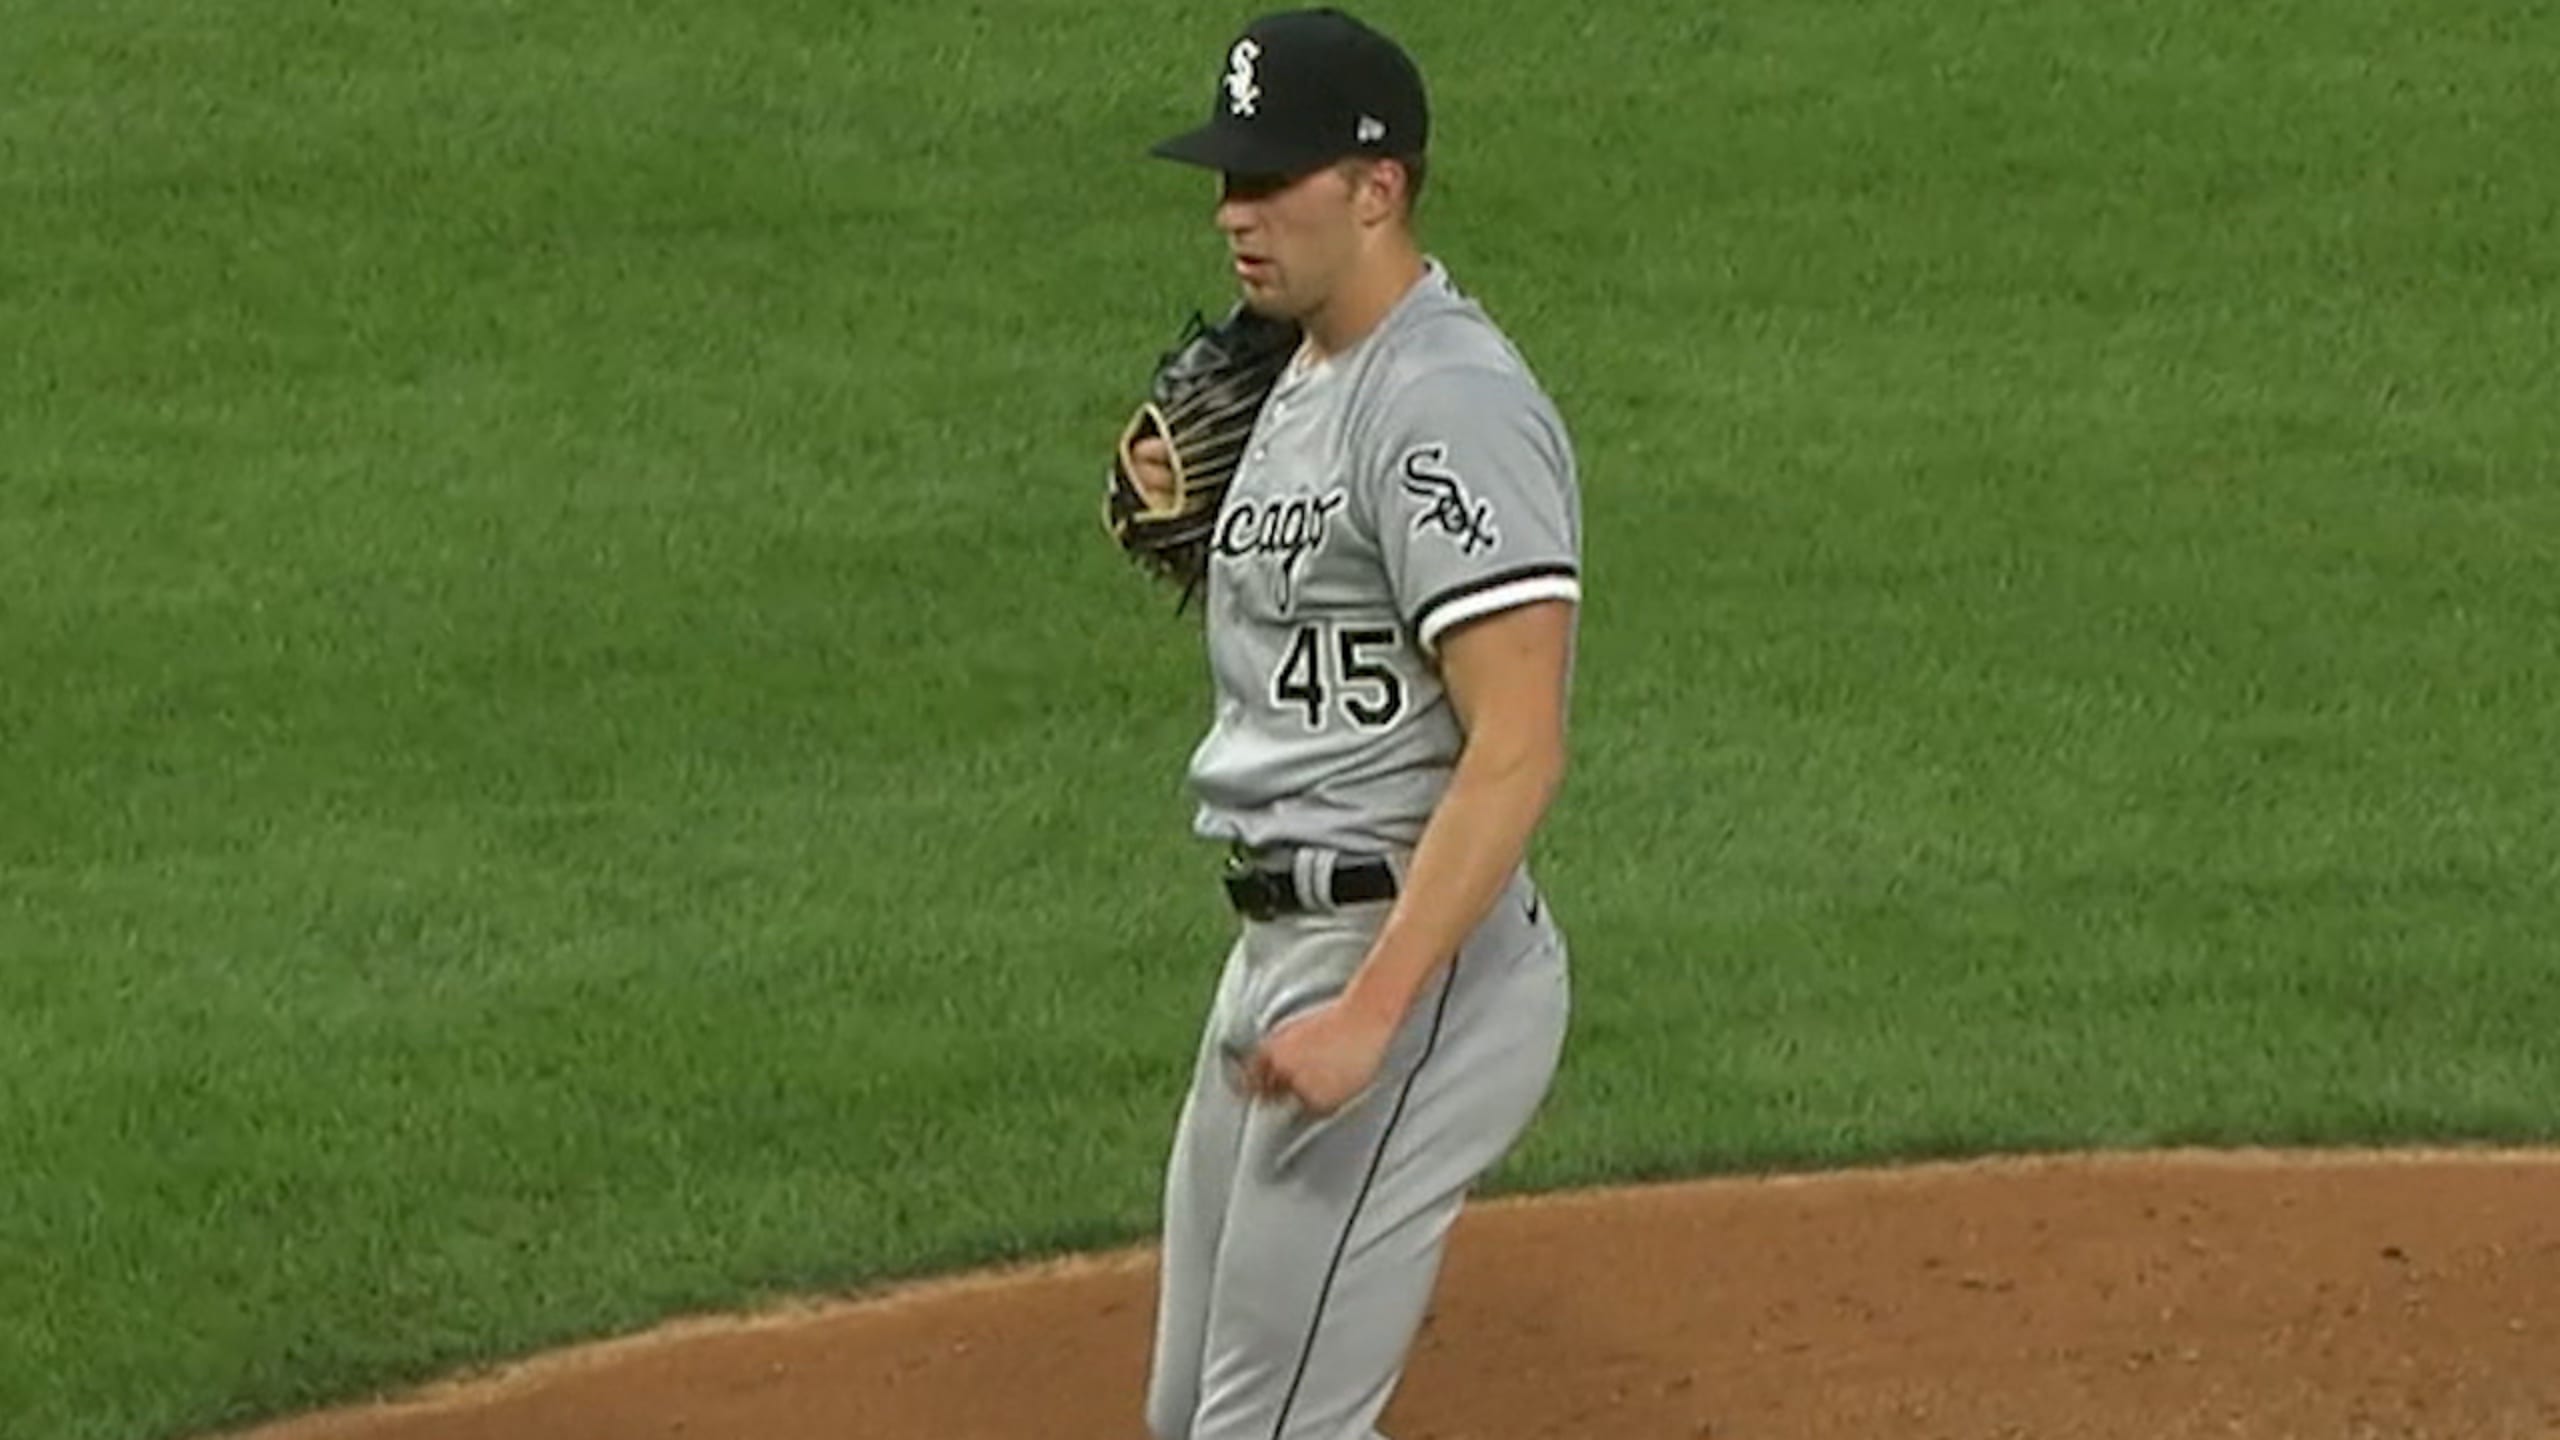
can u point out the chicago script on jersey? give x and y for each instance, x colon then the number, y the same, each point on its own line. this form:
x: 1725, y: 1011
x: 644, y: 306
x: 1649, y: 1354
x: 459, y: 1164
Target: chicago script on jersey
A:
x: 1288, y: 529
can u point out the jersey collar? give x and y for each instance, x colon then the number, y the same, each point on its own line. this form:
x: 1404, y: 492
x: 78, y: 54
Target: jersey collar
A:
x: 1304, y: 370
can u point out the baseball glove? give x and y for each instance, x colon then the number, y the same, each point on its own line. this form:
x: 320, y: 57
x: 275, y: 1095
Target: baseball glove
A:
x: 1206, y: 393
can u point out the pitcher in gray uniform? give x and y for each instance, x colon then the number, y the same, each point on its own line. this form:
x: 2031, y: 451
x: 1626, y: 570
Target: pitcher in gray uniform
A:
x: 1391, y: 603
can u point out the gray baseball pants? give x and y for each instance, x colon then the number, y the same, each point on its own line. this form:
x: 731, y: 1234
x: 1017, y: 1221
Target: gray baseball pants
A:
x: 1300, y: 1254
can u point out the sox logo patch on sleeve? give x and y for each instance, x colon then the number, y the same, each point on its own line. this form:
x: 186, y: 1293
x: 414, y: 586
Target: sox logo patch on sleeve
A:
x: 1445, y: 505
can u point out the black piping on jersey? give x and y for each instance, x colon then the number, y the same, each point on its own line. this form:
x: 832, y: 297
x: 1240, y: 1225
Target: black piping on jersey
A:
x: 1422, y: 614
x: 1306, y: 1352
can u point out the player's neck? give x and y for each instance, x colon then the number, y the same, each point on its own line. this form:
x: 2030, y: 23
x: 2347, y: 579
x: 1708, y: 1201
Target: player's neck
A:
x: 1361, y: 303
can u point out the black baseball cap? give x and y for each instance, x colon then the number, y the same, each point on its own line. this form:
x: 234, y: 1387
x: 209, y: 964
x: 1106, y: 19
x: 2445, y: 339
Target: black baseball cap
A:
x: 1302, y: 89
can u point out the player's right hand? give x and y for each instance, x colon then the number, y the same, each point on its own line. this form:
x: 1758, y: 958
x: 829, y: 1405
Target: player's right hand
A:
x: 1323, y: 1059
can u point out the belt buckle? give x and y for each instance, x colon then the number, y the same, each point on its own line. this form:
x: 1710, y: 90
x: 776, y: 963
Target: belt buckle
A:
x: 1255, y: 892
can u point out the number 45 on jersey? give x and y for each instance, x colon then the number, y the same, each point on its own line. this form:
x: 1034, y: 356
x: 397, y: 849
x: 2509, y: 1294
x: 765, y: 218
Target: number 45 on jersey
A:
x: 1328, y: 668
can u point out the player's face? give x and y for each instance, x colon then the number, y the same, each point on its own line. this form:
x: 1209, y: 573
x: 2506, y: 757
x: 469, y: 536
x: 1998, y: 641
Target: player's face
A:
x: 1291, y: 238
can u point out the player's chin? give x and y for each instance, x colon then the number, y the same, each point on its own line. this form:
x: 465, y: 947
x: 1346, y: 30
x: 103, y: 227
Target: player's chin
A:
x: 1265, y: 299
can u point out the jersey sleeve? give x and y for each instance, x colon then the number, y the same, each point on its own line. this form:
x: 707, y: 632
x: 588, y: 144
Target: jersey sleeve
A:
x: 1471, y: 483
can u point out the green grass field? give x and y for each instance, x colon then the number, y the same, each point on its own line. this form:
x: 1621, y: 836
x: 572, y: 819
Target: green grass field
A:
x: 571, y: 750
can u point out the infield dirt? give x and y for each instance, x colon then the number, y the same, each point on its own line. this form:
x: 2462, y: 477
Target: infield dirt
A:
x: 2252, y: 1294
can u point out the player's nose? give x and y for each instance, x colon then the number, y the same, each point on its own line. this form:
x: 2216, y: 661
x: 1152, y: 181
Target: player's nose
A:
x: 1239, y: 200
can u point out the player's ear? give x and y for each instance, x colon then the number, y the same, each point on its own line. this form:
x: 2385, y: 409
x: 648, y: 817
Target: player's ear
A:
x: 1374, y: 190
x: 1398, y: 181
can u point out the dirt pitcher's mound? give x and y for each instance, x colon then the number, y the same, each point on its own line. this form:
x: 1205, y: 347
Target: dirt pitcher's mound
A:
x: 2349, y: 1297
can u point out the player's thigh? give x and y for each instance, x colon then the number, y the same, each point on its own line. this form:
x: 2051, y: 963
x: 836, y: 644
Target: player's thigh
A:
x: 1338, y: 1225
x: 1312, y: 1312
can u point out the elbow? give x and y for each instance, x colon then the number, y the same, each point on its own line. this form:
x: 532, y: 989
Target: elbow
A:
x: 1530, y: 766
x: 1541, y: 765
x: 1553, y: 764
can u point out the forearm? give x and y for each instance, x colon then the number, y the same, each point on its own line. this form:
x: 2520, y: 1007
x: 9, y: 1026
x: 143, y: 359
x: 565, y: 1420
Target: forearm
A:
x: 1475, y: 839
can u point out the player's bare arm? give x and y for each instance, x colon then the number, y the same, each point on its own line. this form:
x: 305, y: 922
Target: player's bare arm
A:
x: 1506, y: 677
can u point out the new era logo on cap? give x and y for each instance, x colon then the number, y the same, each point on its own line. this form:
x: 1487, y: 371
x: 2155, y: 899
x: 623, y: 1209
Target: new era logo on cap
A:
x: 1302, y: 89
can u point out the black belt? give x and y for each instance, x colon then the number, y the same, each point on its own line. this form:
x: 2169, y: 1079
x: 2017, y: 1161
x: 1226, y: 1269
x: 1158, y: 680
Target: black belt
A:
x: 1263, y: 891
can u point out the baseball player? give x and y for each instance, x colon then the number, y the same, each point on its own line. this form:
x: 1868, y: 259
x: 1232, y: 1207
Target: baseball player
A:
x: 1391, y: 580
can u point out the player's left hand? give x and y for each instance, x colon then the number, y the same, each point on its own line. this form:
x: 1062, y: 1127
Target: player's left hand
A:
x: 1323, y: 1059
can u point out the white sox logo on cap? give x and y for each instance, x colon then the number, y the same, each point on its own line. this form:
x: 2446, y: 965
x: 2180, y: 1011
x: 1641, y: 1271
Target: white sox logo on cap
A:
x: 1242, y: 92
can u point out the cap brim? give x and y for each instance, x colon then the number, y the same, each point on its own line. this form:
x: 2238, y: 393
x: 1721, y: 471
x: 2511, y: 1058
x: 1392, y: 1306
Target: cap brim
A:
x: 1216, y: 147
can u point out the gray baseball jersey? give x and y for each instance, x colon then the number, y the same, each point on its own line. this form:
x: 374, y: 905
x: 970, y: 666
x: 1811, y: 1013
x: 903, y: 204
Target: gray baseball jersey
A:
x: 1417, y: 480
